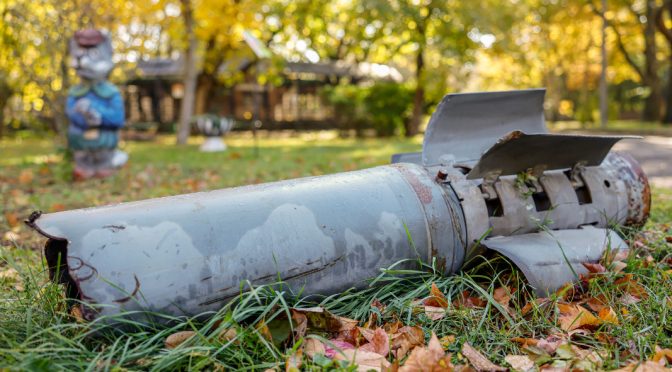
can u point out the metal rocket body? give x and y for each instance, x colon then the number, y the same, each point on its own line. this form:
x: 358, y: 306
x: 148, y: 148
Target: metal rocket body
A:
x: 490, y: 177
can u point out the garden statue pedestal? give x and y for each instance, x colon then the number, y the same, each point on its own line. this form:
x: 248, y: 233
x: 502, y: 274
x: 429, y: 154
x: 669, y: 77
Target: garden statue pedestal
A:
x: 213, y: 128
x: 94, y: 107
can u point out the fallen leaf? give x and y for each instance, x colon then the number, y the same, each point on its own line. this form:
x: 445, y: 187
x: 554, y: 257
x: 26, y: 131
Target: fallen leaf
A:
x: 520, y: 362
x: 379, y: 341
x: 436, y: 298
x: 178, y: 338
x: 434, y: 312
x: 263, y: 329
x: 57, y: 207
x: 502, y: 295
x: 429, y: 358
x: 618, y: 266
x: 574, y: 316
x: 597, y: 303
x: 406, y: 339
x: 26, y: 177
x: 594, y: 268
x: 12, y: 219
x: 336, y: 346
x: 312, y: 347
x: 469, y: 302
x: 550, y: 345
x: 293, y: 362
x: 648, y: 366
x: 608, y: 315
x: 319, y: 318
x: 628, y: 299
x: 365, y: 360
x: 227, y: 334
x: 537, y: 303
x: 629, y: 285
x: 76, y: 312
x: 478, y: 361
x: 662, y: 354
x: 300, y: 323
x: 587, y: 355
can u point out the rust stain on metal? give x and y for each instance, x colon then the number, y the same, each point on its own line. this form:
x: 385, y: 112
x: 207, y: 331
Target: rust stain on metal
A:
x: 639, y: 196
x: 135, y: 291
x: 423, y: 191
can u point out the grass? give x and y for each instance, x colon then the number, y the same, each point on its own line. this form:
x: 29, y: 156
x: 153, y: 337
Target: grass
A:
x: 37, y: 333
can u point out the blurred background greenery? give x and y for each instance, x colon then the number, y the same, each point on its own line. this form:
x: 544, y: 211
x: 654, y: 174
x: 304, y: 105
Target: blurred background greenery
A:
x: 360, y: 66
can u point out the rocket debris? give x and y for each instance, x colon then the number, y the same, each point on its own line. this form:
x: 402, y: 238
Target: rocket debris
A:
x: 490, y: 176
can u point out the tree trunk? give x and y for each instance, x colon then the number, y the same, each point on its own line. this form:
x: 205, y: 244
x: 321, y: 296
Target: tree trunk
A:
x: 604, y: 94
x: 190, y: 75
x: 667, y: 33
x: 413, y: 125
x: 206, y: 82
x: 654, y: 100
x: 667, y: 119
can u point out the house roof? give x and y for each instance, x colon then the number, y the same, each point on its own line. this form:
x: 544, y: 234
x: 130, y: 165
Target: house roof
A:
x: 169, y: 69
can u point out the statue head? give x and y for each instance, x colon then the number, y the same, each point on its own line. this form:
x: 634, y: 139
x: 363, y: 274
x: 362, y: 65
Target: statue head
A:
x: 91, y: 52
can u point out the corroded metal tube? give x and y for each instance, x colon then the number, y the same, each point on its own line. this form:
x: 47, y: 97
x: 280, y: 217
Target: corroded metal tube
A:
x: 188, y: 254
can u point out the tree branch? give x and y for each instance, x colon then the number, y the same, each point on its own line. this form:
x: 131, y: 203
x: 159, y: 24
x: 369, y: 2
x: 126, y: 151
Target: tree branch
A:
x: 619, y: 42
x: 660, y: 23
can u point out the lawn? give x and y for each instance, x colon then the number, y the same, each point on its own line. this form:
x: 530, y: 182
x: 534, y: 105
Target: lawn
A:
x: 619, y: 315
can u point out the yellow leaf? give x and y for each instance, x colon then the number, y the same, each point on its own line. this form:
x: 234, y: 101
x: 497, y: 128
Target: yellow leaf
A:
x: 575, y: 316
x: 608, y: 315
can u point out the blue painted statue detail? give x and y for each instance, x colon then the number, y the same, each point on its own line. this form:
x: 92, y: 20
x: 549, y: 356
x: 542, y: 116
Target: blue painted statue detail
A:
x: 95, y: 107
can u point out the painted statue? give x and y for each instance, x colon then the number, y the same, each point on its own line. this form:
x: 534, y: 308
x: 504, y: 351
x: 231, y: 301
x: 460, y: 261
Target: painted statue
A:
x: 94, y: 107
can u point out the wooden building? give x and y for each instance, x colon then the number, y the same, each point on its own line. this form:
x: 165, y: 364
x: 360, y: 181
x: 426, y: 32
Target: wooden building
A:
x: 154, y: 91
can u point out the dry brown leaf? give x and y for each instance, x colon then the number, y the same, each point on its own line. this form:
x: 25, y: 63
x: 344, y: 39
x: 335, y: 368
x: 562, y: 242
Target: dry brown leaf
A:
x: 76, y: 312
x: 550, y: 345
x: 264, y: 330
x: 406, y: 339
x: 502, y: 295
x: 26, y: 177
x: 597, y: 303
x: 608, y: 315
x: 429, y: 358
x: 574, y: 316
x: 434, y: 312
x: 12, y: 219
x: 478, y: 361
x: 594, y: 268
x: 520, y: 362
x: 662, y: 354
x: 312, y: 347
x: 539, y: 302
x: 588, y: 355
x: 469, y: 302
x: 648, y: 366
x: 320, y: 319
x: 365, y: 360
x: 227, y: 334
x: 629, y: 285
x: 436, y: 298
x: 178, y: 338
x: 300, y: 324
x: 618, y: 266
x: 293, y: 362
x: 378, y: 341
x: 57, y: 207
